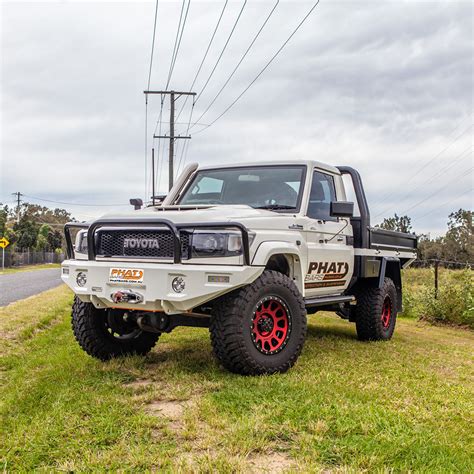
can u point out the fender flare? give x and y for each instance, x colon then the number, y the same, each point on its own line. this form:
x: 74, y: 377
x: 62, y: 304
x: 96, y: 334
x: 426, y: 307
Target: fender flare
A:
x: 391, y: 268
x: 269, y: 248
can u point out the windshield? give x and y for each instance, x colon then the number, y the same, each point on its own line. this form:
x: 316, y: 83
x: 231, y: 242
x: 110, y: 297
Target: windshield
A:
x: 264, y: 187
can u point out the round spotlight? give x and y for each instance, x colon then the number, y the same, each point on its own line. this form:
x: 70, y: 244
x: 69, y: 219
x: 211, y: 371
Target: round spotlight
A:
x: 81, y: 279
x: 178, y: 284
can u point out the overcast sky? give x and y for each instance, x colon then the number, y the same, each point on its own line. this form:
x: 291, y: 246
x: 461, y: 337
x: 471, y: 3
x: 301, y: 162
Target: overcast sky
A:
x: 385, y: 87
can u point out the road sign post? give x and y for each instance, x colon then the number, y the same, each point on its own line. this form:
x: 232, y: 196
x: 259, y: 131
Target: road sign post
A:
x: 3, y: 244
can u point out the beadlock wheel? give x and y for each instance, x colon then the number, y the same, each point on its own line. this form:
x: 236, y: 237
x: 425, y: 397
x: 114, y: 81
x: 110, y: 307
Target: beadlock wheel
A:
x: 271, y: 325
x: 376, y: 311
x: 386, y: 312
x: 261, y: 327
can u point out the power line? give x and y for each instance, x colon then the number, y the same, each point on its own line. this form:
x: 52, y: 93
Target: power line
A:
x: 223, y: 50
x: 469, y: 191
x: 205, y: 56
x: 410, y: 193
x: 437, y: 191
x: 146, y: 97
x: 186, y: 145
x: 241, y: 59
x: 73, y: 203
x: 178, y: 42
x: 411, y: 177
x: 152, y: 46
x: 264, y: 68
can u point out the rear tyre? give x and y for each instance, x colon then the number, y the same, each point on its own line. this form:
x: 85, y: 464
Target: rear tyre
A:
x: 260, y: 328
x: 105, y: 334
x: 376, y: 312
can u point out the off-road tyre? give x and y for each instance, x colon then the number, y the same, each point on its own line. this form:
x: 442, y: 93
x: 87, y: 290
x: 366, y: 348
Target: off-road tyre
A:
x: 376, y: 311
x: 92, y: 332
x: 241, y: 320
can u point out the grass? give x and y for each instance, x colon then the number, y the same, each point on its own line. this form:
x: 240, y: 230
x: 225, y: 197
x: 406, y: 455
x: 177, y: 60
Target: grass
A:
x: 346, y: 406
x: 29, y: 268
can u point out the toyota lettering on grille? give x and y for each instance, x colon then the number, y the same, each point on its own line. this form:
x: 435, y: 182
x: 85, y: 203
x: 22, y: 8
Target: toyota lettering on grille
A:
x: 141, y: 244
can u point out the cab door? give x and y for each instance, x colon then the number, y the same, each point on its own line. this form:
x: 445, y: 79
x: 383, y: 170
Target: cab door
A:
x: 330, y: 258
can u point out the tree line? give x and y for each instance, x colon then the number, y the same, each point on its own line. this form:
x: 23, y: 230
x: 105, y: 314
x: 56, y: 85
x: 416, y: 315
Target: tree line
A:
x: 33, y: 227
x: 457, y: 245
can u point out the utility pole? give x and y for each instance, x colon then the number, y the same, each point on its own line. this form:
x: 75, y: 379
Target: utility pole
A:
x: 174, y: 96
x: 18, y: 200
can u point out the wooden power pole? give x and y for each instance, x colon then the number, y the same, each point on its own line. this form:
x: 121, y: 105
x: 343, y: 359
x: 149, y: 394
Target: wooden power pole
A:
x: 174, y: 96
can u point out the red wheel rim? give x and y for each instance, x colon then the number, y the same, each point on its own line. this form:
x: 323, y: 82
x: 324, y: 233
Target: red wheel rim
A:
x: 386, y: 313
x: 271, y: 325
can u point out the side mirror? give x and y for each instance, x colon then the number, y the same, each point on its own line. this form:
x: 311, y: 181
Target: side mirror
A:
x: 137, y: 203
x: 342, y: 209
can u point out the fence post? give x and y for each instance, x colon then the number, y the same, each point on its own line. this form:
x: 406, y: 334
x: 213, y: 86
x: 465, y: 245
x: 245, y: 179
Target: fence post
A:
x: 436, y: 278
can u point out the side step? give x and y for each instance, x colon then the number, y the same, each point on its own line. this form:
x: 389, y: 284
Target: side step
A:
x: 327, y: 301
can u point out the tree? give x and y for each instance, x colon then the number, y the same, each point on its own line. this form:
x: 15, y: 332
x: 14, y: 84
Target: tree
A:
x: 459, y: 239
x: 27, y: 234
x: 42, y: 239
x: 55, y: 240
x: 398, y: 223
x: 3, y: 219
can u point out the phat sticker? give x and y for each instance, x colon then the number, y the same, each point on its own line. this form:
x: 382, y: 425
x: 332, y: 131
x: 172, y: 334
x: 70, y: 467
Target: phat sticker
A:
x: 326, y: 274
x: 126, y: 275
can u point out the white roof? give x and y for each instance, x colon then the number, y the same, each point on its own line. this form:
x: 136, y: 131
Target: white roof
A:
x: 309, y: 163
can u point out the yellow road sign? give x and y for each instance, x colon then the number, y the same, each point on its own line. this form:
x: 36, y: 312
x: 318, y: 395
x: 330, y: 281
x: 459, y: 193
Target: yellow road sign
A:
x: 4, y: 243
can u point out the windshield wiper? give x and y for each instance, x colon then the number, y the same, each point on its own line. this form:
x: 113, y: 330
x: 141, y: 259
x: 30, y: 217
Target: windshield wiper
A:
x: 275, y: 207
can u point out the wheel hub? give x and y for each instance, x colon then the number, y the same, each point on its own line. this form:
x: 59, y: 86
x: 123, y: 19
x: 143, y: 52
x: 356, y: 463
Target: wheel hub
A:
x: 265, y: 324
x: 271, y: 325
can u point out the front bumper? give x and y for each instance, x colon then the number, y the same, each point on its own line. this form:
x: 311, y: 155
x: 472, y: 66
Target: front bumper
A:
x: 202, y: 283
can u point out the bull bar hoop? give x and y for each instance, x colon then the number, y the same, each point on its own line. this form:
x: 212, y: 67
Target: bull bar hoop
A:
x: 151, y: 222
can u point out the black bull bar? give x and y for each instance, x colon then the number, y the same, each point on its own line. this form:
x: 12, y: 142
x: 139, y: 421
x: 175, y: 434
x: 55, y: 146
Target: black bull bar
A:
x: 151, y: 222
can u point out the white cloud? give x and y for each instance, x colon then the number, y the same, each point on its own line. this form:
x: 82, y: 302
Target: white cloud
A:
x: 380, y: 86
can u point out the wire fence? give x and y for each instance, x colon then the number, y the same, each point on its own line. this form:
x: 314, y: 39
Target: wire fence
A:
x: 436, y: 264
x: 28, y: 257
x: 450, y: 264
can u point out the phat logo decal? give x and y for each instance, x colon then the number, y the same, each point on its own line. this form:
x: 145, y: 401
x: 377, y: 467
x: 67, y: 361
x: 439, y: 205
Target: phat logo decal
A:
x: 126, y: 275
x: 324, y: 274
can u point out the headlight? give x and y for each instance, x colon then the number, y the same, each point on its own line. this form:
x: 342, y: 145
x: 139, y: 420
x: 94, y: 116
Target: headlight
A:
x: 216, y: 244
x: 81, y: 242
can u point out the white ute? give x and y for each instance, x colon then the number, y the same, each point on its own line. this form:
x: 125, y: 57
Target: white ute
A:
x: 243, y: 250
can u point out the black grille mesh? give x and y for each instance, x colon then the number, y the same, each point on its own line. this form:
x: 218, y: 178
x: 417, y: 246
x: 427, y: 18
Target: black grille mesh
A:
x: 110, y: 243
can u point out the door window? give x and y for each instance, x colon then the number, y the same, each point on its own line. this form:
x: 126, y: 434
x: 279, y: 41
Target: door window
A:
x: 322, y: 193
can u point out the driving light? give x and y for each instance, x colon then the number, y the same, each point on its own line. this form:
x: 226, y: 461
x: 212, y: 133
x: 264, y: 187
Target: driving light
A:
x: 178, y: 284
x: 81, y: 279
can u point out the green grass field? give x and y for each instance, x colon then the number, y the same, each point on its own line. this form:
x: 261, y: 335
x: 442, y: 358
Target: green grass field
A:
x: 28, y: 268
x: 405, y: 405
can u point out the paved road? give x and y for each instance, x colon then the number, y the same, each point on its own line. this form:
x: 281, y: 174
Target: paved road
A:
x: 16, y: 286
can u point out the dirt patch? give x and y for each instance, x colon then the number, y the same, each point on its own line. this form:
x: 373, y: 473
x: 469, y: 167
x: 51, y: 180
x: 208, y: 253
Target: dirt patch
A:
x: 173, y: 410
x: 270, y: 462
x: 139, y: 384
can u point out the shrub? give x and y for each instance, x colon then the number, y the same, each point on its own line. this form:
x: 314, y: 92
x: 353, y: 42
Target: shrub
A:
x: 455, y: 301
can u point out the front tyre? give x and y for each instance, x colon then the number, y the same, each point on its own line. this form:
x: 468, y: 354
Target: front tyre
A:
x: 376, y: 312
x: 105, y: 334
x: 260, y: 328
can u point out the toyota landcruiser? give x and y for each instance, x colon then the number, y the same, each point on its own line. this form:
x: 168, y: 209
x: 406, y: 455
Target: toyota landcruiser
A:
x: 245, y: 251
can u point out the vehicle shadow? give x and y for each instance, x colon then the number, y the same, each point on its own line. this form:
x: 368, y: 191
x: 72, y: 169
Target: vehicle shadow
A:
x: 322, y: 332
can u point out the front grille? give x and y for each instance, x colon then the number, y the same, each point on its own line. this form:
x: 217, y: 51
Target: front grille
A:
x: 111, y: 243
